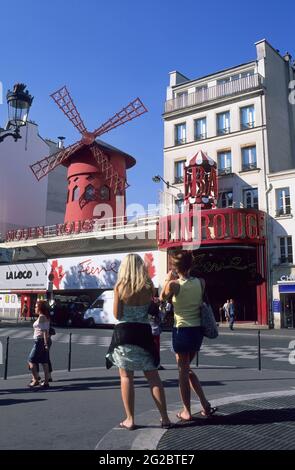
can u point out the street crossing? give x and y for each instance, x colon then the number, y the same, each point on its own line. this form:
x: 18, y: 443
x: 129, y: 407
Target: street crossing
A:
x: 208, y: 350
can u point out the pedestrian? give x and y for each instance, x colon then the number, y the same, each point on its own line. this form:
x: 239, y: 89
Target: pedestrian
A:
x: 231, y: 314
x: 187, y: 336
x: 51, y: 332
x: 226, y: 310
x: 40, y: 351
x: 25, y: 310
x: 155, y: 322
x: 132, y: 347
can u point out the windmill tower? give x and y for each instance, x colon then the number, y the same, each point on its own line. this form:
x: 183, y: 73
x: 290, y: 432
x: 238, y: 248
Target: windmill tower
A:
x: 96, y: 171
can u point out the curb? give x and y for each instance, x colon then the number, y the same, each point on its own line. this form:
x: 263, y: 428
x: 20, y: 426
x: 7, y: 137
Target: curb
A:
x: 149, y: 434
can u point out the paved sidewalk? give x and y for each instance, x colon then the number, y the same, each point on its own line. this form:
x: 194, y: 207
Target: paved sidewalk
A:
x: 82, y: 410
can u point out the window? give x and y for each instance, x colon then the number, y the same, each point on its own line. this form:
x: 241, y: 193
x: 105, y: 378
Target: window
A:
x: 178, y: 171
x: 223, y: 123
x: 247, y: 116
x: 250, y: 198
x: 180, y: 134
x: 201, y: 129
x: 76, y: 193
x: 283, y: 201
x: 286, y: 250
x: 90, y: 193
x: 224, y: 162
x: 226, y: 199
x: 249, y: 158
x: 105, y: 193
x: 182, y: 98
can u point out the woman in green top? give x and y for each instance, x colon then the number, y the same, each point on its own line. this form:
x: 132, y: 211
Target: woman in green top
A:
x: 187, y: 336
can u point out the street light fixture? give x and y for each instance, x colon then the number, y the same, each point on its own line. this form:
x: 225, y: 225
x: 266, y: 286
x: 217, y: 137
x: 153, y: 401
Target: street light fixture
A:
x: 158, y: 178
x: 19, y: 102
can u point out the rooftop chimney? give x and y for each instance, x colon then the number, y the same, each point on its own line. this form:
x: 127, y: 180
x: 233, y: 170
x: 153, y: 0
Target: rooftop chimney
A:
x: 61, y: 142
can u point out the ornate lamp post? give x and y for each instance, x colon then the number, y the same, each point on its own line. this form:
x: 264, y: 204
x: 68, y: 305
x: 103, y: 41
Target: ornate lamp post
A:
x: 19, y: 102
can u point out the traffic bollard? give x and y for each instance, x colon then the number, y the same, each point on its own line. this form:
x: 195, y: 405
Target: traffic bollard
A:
x: 6, y: 358
x: 197, y: 359
x: 70, y: 353
x: 259, y: 351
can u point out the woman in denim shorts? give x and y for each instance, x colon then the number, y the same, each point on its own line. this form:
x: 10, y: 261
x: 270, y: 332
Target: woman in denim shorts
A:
x: 187, y: 336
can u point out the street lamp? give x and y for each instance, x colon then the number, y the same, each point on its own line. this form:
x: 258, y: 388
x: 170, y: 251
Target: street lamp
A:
x: 158, y: 178
x: 19, y: 102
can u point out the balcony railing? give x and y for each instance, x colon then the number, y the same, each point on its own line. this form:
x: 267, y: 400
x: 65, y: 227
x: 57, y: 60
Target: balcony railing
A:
x: 180, y: 141
x: 178, y: 179
x: 224, y: 171
x: 286, y: 259
x: 200, y: 136
x: 234, y: 87
x: 247, y: 125
x: 283, y: 212
x: 249, y: 166
x: 223, y: 130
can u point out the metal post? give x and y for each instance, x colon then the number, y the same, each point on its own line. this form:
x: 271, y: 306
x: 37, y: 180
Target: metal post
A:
x: 197, y: 359
x: 259, y: 351
x: 70, y: 353
x: 6, y: 358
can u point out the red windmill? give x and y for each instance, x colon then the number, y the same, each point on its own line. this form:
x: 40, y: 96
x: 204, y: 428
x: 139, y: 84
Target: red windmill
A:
x: 96, y: 171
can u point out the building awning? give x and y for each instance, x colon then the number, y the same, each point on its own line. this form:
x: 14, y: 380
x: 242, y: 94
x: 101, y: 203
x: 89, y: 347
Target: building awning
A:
x: 287, y: 288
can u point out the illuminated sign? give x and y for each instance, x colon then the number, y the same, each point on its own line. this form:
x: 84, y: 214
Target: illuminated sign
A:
x: 215, y: 226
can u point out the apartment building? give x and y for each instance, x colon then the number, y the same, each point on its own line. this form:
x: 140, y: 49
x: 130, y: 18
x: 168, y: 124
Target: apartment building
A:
x: 242, y: 117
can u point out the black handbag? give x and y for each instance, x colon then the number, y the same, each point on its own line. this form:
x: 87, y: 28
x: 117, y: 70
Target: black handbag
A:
x: 51, y: 331
x: 153, y: 310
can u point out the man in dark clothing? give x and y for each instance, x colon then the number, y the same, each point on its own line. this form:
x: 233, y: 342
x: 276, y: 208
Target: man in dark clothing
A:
x: 231, y: 314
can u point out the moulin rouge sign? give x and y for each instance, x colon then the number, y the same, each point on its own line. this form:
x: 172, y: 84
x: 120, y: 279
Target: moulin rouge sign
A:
x: 214, y: 226
x: 68, y: 228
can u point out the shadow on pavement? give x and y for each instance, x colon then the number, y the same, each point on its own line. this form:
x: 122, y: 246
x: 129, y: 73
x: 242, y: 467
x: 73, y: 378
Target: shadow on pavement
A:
x: 245, y: 417
x: 8, y: 402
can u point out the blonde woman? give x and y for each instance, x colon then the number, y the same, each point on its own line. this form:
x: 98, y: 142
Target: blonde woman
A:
x: 132, y: 347
x: 187, y: 297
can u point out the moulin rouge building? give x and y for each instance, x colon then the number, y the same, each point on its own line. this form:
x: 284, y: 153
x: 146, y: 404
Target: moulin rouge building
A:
x: 229, y: 148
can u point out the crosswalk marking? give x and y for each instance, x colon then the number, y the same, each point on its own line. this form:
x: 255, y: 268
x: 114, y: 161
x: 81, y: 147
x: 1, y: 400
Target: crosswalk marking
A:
x: 210, y: 350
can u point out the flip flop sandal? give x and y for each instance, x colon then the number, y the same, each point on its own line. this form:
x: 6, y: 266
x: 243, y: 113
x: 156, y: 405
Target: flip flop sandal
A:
x: 210, y: 412
x: 167, y: 426
x: 33, y: 384
x: 185, y: 420
x: 129, y: 428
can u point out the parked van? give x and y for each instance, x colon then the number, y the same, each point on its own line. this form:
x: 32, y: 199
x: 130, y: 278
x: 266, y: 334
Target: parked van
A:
x: 100, y: 311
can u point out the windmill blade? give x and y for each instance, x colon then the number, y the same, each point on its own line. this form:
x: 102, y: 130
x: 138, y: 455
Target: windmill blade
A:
x: 131, y: 111
x: 65, y: 102
x: 116, y: 182
x: 43, y: 167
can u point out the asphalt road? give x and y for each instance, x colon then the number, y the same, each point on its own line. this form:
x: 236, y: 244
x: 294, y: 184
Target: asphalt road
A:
x: 89, y: 346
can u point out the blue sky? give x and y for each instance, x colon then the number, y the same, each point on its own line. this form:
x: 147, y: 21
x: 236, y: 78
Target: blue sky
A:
x: 109, y: 52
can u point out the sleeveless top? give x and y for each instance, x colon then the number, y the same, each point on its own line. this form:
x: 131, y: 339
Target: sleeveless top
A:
x: 135, y: 313
x: 40, y: 327
x: 187, y: 303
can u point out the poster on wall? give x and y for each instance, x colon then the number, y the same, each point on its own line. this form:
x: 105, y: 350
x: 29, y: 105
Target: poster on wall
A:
x: 94, y: 272
x: 23, y: 276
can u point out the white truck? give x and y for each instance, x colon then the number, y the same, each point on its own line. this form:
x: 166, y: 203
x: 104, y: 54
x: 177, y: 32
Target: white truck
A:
x: 100, y: 311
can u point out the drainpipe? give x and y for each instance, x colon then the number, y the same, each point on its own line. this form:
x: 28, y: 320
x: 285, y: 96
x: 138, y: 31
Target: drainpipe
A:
x: 269, y: 258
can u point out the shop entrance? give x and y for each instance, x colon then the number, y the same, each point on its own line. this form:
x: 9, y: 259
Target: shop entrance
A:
x: 230, y: 273
x: 288, y: 310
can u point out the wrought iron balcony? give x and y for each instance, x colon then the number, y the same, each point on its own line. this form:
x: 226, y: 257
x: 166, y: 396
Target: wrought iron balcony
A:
x: 224, y: 171
x: 283, y: 211
x: 200, y: 136
x: 235, y: 87
x: 249, y: 166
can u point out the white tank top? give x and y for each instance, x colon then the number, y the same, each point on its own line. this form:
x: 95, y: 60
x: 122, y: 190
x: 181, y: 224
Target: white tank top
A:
x: 40, y: 327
